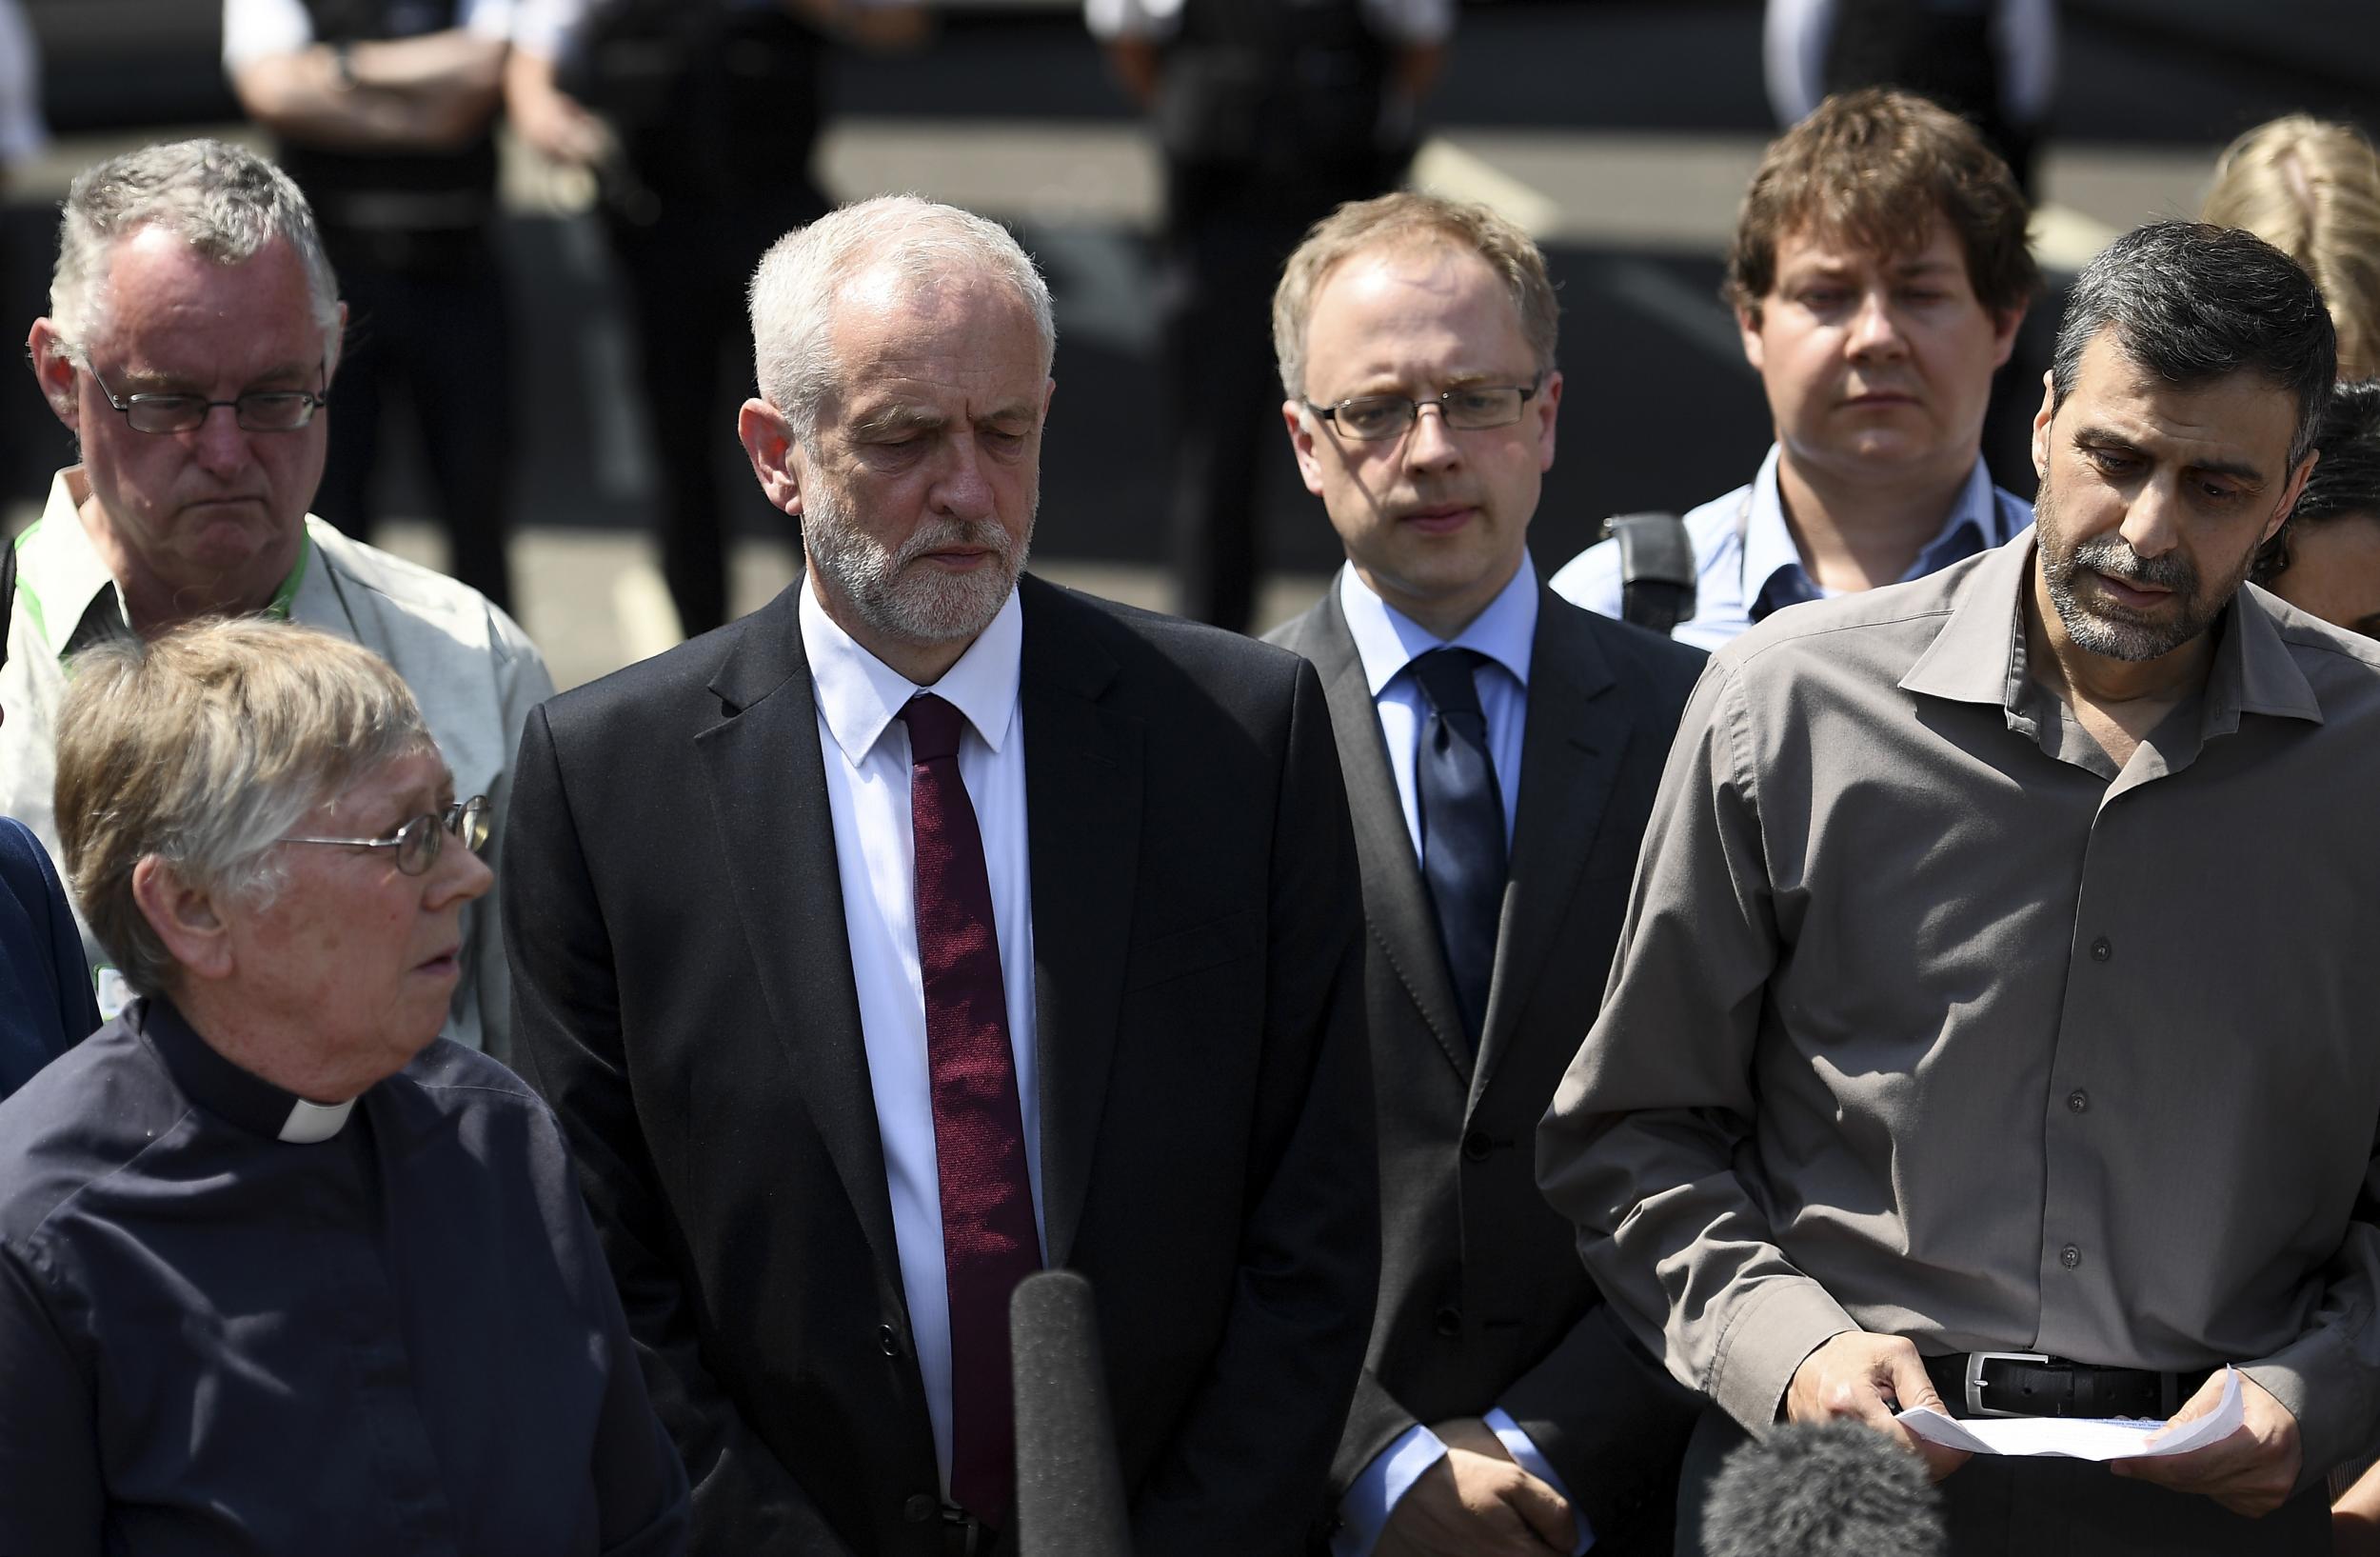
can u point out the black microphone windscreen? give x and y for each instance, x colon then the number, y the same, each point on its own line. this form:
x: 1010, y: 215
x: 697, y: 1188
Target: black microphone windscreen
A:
x: 1823, y: 1489
x: 1070, y: 1493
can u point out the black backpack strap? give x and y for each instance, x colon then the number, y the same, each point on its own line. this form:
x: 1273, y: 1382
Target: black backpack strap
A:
x: 1657, y: 569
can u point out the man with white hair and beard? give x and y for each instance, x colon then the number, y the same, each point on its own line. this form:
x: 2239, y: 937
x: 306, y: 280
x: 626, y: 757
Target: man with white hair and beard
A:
x: 1990, y: 1029
x: 935, y: 925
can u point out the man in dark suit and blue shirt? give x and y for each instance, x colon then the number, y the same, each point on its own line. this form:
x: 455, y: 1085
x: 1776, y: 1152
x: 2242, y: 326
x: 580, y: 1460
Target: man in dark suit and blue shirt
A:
x: 1479, y: 719
x: 861, y: 999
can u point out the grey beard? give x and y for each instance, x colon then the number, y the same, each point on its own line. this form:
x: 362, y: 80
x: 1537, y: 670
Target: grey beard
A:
x: 925, y: 607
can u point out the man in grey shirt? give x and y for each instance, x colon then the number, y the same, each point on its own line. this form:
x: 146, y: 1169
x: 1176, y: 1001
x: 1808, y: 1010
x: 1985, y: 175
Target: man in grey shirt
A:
x: 1997, y: 974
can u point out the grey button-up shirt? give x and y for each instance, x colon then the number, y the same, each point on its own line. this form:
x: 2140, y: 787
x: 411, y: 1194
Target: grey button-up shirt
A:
x: 1928, y: 1020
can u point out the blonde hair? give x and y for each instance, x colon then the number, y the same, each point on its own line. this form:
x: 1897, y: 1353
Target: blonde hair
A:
x: 201, y: 748
x: 1406, y: 220
x: 2311, y: 189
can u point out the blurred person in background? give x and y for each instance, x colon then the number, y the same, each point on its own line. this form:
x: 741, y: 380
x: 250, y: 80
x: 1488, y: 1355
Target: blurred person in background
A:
x: 45, y: 1003
x: 22, y: 132
x: 2326, y: 560
x: 1500, y: 748
x: 191, y: 342
x: 699, y: 120
x: 384, y: 114
x: 281, y: 1271
x: 2311, y: 189
x: 1268, y: 114
x: 1994, y: 62
x: 1878, y: 275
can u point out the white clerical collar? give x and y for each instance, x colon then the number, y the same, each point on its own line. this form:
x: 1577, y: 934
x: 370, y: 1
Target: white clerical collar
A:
x: 311, y: 1121
x: 861, y: 695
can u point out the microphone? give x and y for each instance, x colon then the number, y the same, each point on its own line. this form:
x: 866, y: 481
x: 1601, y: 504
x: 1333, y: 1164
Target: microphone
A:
x: 1823, y: 1489
x: 1070, y: 1492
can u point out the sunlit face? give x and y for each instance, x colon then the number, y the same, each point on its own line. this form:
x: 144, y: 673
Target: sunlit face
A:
x: 351, y: 950
x: 2154, y: 499
x: 1877, y: 367
x: 918, y: 492
x: 213, y: 516
x: 1434, y: 519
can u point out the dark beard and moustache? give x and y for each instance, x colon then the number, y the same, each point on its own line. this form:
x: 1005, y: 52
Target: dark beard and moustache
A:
x: 2103, y: 627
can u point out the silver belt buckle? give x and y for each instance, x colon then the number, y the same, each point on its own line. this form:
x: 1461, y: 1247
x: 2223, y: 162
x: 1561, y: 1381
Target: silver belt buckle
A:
x: 1974, y: 1377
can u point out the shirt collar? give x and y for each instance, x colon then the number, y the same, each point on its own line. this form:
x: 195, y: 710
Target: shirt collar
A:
x: 73, y: 581
x: 60, y: 573
x: 1387, y: 640
x: 225, y: 1089
x: 860, y: 694
x: 1978, y: 656
x: 1972, y: 525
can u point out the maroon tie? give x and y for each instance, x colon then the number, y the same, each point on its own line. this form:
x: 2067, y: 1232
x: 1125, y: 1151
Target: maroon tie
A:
x: 989, y: 1239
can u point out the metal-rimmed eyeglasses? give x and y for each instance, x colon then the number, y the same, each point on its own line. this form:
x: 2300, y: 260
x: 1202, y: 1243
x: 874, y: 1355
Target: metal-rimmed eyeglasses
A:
x: 1472, y: 408
x: 259, y: 410
x: 419, y: 842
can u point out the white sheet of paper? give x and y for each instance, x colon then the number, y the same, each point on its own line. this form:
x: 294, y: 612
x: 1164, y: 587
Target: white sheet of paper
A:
x: 2077, y: 1438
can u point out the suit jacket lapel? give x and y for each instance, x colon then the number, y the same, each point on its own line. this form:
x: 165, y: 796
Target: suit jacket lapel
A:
x: 768, y: 796
x: 1083, y: 812
x: 1396, y: 905
x: 1569, y: 757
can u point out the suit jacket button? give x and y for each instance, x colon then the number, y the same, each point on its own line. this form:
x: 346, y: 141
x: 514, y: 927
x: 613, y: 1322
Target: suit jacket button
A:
x: 1474, y: 1146
x: 889, y: 1339
x: 1449, y: 1321
x: 920, y: 1506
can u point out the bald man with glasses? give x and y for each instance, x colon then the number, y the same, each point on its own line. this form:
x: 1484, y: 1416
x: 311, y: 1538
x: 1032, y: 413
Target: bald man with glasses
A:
x: 192, y: 338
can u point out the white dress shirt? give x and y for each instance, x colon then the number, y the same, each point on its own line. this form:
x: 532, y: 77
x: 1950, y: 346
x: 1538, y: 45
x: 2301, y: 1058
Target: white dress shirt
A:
x: 1386, y: 642
x: 866, y: 748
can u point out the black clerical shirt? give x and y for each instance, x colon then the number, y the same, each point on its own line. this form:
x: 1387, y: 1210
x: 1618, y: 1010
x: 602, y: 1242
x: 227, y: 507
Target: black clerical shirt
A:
x: 231, y: 1323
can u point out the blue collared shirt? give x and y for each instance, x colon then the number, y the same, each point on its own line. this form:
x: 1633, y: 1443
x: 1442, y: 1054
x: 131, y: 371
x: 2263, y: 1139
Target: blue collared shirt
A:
x: 1747, y: 565
x: 1387, y: 641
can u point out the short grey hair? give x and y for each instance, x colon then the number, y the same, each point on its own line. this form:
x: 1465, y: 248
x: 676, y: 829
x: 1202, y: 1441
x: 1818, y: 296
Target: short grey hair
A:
x: 795, y: 289
x: 2192, y: 303
x: 202, y: 748
x: 224, y: 201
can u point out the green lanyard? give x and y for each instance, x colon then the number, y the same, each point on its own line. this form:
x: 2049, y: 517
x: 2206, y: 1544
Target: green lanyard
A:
x: 283, y: 598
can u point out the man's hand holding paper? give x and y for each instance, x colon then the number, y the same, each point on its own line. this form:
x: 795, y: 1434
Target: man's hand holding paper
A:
x: 2249, y: 1471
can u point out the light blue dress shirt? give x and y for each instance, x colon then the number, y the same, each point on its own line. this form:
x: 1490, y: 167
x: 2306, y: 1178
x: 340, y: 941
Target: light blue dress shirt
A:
x: 1746, y: 564
x: 1386, y: 642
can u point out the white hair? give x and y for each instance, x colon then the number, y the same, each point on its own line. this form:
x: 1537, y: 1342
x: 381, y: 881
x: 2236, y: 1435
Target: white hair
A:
x: 798, y: 280
x: 224, y: 201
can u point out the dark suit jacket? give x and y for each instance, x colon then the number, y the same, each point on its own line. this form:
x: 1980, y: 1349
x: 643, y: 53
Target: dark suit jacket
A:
x: 684, y: 999
x: 46, y: 1000
x: 1483, y: 1300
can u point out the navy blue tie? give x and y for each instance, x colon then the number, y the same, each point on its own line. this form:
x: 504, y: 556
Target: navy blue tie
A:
x: 1462, y: 827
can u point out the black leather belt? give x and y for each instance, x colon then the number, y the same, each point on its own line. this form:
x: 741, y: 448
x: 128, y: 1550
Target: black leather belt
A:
x: 2030, y: 1384
x: 963, y: 1535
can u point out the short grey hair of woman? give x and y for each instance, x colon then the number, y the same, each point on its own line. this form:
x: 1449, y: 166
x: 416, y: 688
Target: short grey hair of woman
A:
x: 202, y: 748
x: 795, y: 289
